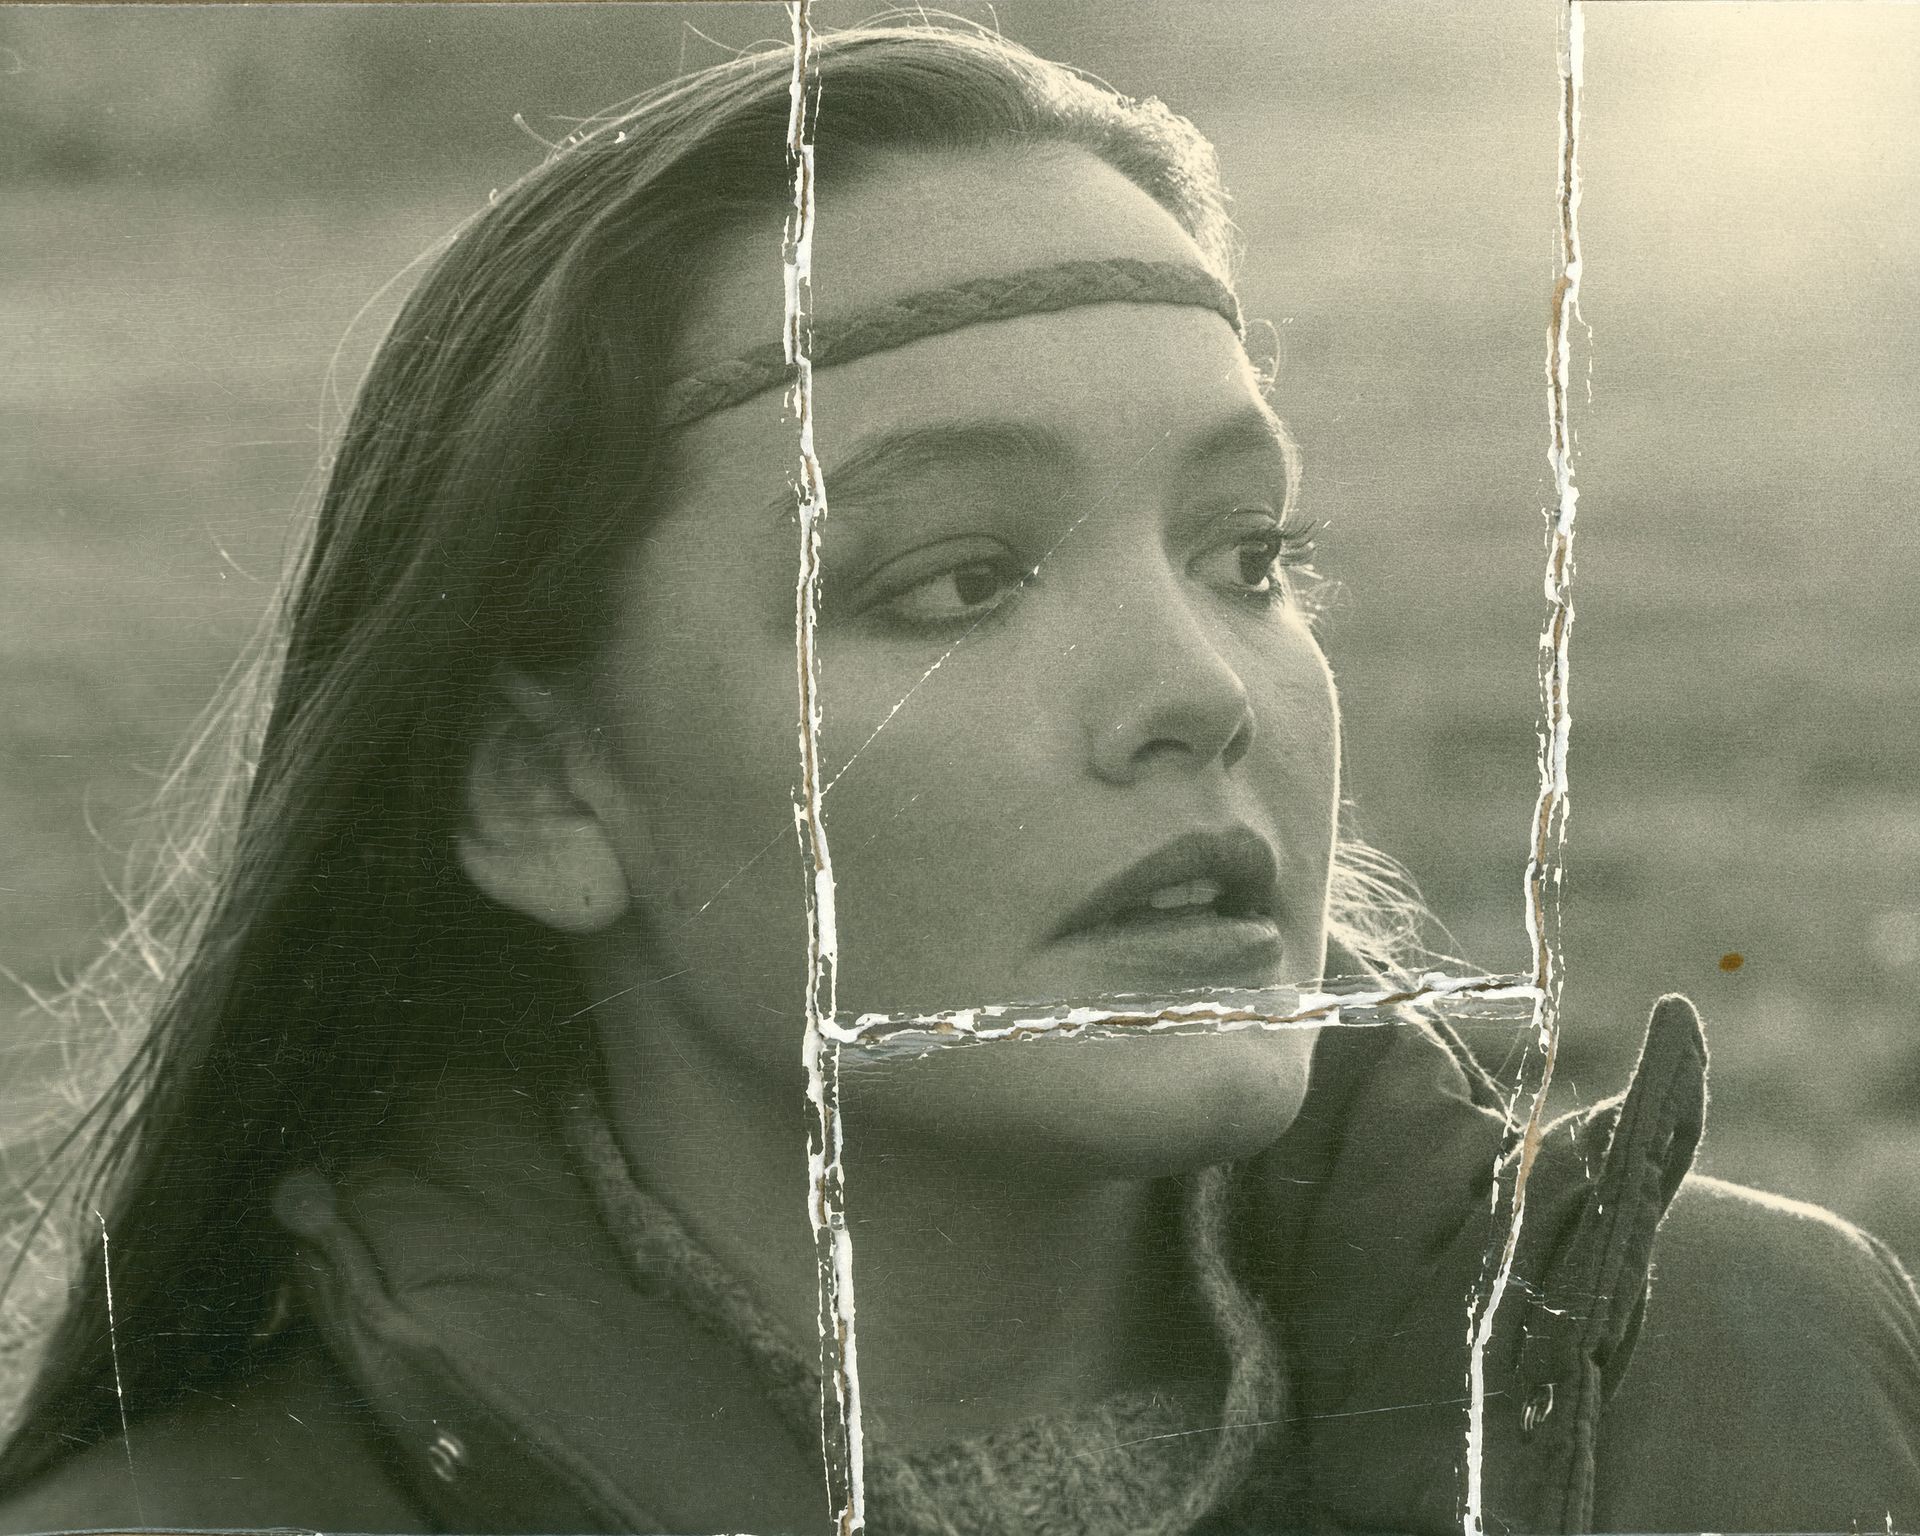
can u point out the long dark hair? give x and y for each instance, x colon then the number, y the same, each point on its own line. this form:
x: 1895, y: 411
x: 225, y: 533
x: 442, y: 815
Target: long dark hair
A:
x: 306, y: 947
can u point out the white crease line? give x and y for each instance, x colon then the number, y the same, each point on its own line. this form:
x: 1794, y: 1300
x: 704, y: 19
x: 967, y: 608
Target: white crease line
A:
x: 1550, y: 815
x: 826, y: 1191
x: 1209, y: 1010
x: 119, y: 1390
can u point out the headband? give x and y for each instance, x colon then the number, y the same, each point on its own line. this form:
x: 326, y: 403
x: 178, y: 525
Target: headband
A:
x: 935, y: 311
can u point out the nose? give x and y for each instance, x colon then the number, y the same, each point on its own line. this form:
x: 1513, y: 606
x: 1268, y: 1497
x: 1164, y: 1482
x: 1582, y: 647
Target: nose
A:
x: 1163, y: 694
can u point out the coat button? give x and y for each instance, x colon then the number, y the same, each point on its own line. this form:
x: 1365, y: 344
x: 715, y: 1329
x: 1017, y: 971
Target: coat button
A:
x: 445, y: 1455
x: 1539, y: 1406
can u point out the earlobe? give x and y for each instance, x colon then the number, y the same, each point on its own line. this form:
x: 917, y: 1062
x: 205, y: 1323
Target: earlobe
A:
x: 571, y: 881
x: 530, y: 839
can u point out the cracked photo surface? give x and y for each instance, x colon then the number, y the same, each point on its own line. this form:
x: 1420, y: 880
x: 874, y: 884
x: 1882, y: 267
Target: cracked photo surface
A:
x: 1045, y: 768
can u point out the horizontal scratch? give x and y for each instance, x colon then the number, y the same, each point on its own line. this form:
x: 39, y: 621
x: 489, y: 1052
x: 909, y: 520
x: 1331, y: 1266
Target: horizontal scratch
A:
x: 1179, y: 1434
x: 1362, y: 1413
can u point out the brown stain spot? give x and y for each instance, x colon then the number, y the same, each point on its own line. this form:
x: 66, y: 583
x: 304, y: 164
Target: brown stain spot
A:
x: 1732, y: 961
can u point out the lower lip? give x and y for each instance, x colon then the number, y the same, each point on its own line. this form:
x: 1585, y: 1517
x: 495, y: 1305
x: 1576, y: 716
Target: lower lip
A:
x: 1181, y: 949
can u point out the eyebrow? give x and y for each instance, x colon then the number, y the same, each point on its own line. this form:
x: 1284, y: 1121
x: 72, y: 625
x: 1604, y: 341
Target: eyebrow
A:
x: 875, y: 465
x: 1254, y: 430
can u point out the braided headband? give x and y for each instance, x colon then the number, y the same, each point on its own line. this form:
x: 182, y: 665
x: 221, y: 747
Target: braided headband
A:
x: 934, y: 311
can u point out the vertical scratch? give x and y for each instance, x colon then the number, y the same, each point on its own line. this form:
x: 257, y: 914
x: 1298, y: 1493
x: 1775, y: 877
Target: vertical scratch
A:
x: 113, y: 1346
x: 1544, y: 870
x: 826, y: 1184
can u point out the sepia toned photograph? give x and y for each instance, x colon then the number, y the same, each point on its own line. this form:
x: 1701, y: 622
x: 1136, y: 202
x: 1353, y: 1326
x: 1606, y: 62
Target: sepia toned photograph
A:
x: 1045, y: 767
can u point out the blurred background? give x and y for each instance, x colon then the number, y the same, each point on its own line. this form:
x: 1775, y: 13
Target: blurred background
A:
x: 202, y: 203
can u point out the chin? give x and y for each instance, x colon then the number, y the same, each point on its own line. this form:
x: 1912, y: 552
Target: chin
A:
x: 1145, y: 1107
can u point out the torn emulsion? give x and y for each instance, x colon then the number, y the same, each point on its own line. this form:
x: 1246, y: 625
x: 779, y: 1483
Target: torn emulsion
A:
x: 1208, y: 1010
x: 826, y: 1203
x: 1543, y: 878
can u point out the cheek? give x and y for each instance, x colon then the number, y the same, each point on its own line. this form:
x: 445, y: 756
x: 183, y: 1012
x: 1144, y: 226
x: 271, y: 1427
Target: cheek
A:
x: 700, y: 699
x: 1296, y: 710
x: 1294, y: 769
x: 938, y: 812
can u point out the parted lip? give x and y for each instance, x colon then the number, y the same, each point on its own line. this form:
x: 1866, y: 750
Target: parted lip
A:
x: 1238, y: 857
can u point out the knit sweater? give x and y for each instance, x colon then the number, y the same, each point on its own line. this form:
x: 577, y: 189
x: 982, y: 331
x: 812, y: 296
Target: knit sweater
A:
x: 1135, y: 1461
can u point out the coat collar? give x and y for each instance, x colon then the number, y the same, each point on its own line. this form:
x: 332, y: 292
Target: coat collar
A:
x: 469, y: 1289
x: 1375, y: 1233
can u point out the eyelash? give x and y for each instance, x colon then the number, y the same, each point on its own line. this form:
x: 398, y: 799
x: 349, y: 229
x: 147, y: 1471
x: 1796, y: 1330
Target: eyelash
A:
x: 890, y: 612
x: 1282, y: 546
x: 1285, y: 547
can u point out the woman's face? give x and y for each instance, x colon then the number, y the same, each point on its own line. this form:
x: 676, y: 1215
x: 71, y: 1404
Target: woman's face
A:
x: 1056, y: 638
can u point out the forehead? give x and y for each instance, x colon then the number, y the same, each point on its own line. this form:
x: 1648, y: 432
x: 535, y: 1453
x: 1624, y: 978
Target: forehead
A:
x: 922, y: 220
x: 1114, y: 371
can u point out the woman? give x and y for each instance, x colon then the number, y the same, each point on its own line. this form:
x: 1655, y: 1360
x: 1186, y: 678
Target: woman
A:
x: 457, y: 1184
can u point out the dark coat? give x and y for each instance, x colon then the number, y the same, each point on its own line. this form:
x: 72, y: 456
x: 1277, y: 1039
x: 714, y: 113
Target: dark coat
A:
x: 479, y: 1363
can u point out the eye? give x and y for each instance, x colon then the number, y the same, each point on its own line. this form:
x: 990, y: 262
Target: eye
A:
x: 956, y: 595
x: 1252, y: 560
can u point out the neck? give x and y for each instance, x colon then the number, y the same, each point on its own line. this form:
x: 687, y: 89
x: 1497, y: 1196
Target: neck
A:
x: 986, y: 1291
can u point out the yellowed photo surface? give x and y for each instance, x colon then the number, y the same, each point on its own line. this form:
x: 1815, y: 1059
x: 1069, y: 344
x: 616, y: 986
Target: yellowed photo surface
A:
x: 1050, y: 769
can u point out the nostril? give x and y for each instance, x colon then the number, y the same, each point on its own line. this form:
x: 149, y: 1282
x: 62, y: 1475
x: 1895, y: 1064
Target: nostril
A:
x: 1163, y: 749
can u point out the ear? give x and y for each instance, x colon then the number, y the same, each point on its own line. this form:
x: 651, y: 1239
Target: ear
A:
x: 540, y: 806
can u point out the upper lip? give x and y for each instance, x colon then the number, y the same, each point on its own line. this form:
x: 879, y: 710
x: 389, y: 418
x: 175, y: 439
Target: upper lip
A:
x: 1238, y: 857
